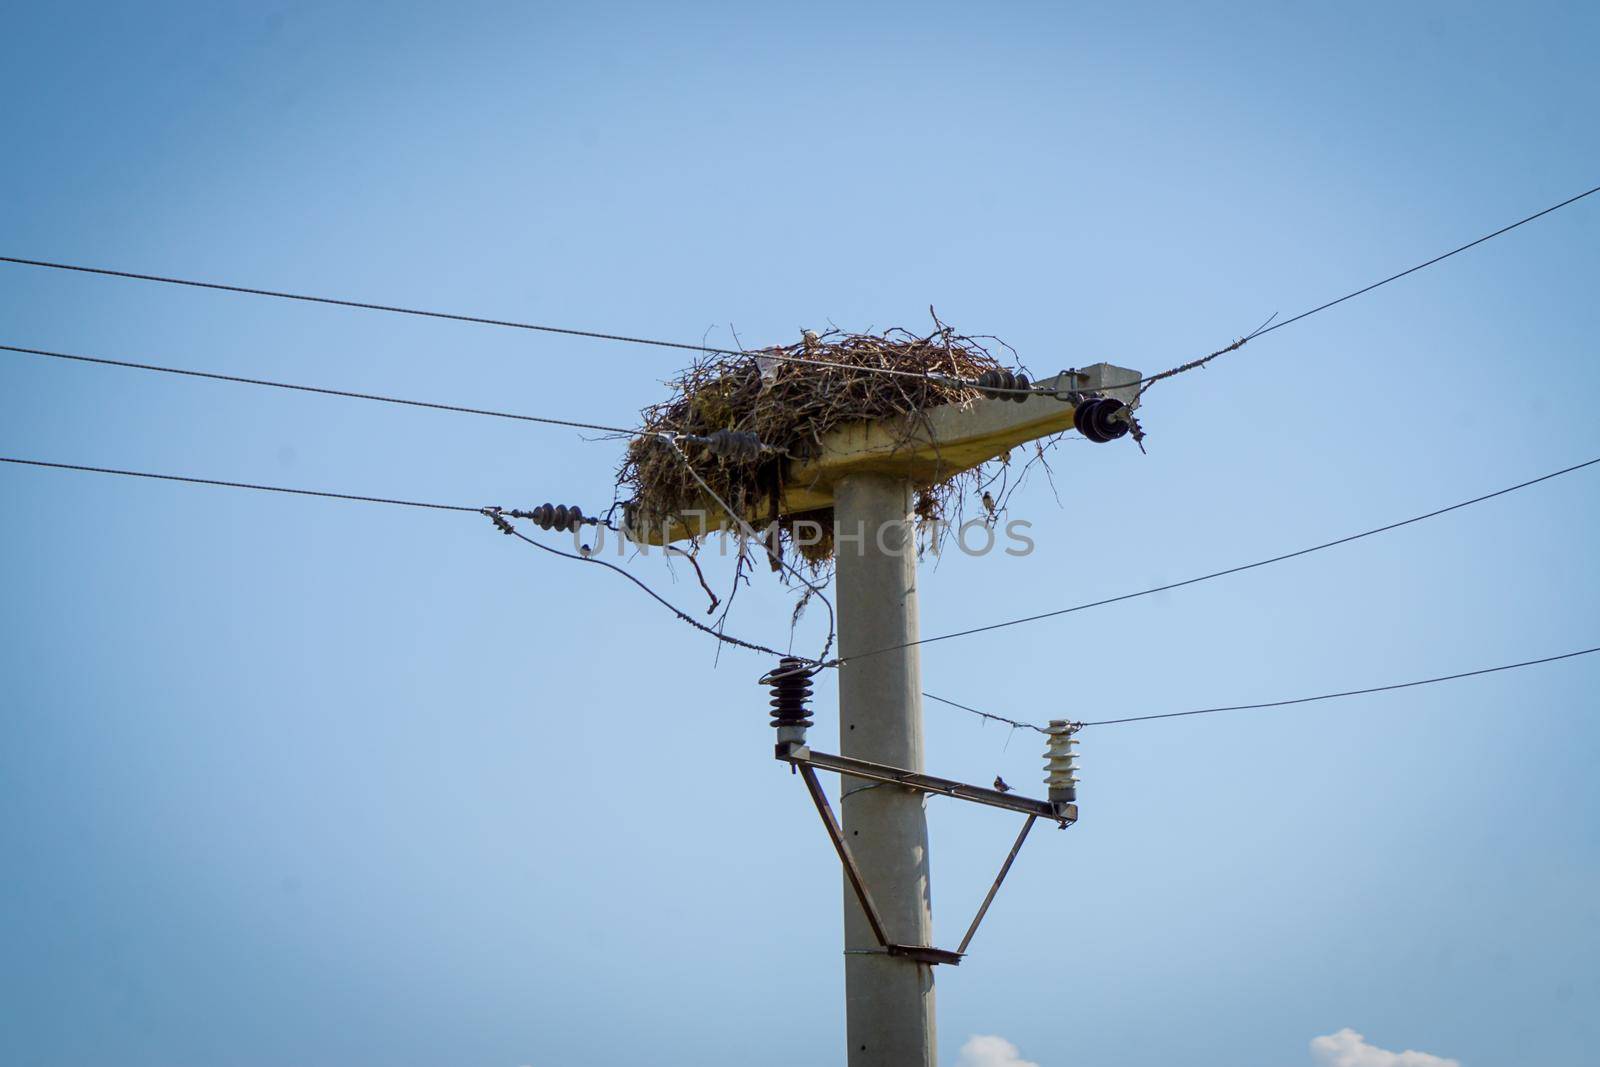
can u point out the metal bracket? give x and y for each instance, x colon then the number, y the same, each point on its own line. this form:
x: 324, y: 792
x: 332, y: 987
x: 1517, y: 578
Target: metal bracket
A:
x: 798, y: 754
x: 801, y: 758
x: 1104, y: 378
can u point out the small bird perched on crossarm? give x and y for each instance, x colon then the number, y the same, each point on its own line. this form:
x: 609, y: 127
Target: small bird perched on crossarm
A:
x: 1000, y: 784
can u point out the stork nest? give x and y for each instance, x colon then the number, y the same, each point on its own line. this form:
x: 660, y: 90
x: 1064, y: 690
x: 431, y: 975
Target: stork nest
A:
x: 791, y: 405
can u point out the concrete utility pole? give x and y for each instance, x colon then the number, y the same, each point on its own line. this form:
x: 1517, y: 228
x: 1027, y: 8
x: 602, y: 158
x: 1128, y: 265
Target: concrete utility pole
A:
x: 867, y: 472
x: 888, y: 999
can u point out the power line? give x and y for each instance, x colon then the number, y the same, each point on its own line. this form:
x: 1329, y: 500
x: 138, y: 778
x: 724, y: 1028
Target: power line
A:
x: 1231, y: 570
x: 744, y: 528
x: 1013, y: 723
x: 364, y: 305
x: 1265, y: 329
x: 103, y: 361
x: 237, y: 485
x: 1431, y: 262
x: 654, y: 342
x: 1348, y: 692
x: 480, y: 320
x: 1290, y: 702
x: 494, y: 515
x: 506, y: 527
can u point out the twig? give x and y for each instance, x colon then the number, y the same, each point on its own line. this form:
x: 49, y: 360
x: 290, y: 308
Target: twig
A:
x: 693, y: 562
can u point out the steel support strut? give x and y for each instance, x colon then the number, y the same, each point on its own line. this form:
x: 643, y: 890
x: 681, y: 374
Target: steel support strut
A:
x: 802, y: 759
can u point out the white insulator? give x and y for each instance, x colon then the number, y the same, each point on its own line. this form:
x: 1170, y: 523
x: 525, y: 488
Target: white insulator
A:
x: 1060, y: 760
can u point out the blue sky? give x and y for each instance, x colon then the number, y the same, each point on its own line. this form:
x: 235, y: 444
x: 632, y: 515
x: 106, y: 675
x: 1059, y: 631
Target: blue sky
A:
x: 297, y: 781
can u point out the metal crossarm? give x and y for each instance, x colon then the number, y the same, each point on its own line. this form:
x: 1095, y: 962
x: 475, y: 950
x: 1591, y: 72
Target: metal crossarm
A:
x: 801, y: 755
x: 801, y: 758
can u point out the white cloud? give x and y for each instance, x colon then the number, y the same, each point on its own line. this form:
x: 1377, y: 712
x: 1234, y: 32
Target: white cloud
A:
x: 1346, y: 1048
x: 1349, y: 1049
x: 987, y: 1050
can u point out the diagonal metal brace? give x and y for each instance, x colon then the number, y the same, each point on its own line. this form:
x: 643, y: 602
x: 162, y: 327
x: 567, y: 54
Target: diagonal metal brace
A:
x: 841, y: 846
x: 920, y: 953
x: 858, y: 882
x: 1005, y: 868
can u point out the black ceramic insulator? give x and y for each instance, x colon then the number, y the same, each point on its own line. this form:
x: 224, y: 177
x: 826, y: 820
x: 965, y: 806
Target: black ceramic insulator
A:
x: 1003, y: 385
x: 738, y: 445
x: 550, y: 517
x: 1093, y: 418
x: 791, y: 693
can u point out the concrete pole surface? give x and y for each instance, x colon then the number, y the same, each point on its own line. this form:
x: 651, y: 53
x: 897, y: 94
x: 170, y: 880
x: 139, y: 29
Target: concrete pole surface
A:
x: 889, y: 1012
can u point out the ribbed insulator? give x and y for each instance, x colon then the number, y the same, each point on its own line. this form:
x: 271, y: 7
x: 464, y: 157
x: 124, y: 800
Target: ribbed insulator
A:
x: 1003, y: 385
x: 1060, y: 760
x: 1100, y: 419
x: 791, y: 693
x: 738, y: 445
x: 550, y: 517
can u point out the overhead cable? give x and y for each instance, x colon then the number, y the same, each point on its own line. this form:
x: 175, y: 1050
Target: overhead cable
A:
x: 496, y: 515
x: 103, y: 361
x: 1227, y: 571
x: 685, y: 346
x: 1286, y: 703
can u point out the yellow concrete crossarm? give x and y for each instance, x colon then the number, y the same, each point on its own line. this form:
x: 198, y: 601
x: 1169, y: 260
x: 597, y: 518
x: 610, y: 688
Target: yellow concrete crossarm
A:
x: 925, y: 448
